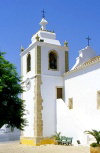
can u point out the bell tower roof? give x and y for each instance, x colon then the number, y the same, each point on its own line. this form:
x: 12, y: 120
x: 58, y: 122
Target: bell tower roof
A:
x: 45, y: 35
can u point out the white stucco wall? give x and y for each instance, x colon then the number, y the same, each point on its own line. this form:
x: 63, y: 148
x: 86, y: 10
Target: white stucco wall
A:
x: 48, y: 92
x: 82, y: 86
x: 51, y: 79
x: 28, y: 95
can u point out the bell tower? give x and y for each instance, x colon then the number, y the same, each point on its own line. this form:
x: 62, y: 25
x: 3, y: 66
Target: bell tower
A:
x: 42, y: 66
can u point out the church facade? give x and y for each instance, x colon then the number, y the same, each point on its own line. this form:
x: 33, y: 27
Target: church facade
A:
x: 58, y: 99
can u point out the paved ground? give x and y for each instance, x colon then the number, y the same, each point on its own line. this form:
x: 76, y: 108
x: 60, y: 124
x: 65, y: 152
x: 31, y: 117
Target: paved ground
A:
x: 15, y: 147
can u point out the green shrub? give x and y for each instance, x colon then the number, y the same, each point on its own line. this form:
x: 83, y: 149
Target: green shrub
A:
x: 94, y: 145
x: 96, y: 135
x: 56, y: 136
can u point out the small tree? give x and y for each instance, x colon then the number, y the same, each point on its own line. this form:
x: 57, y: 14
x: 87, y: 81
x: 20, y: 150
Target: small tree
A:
x: 11, y: 106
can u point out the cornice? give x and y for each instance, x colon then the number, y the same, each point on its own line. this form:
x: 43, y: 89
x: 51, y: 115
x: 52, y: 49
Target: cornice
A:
x: 37, y: 43
x: 86, y: 64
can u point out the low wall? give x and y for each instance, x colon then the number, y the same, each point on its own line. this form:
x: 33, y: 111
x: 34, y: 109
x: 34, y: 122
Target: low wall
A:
x: 7, y: 135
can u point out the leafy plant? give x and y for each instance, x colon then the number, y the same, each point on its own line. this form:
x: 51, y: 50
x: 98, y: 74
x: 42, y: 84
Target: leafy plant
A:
x: 57, y: 136
x: 96, y: 135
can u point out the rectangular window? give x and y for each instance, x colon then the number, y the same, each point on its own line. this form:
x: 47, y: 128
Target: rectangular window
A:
x: 59, y: 93
x: 98, y: 99
x: 70, y: 103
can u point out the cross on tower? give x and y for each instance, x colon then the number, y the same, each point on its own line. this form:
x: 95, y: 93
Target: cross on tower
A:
x: 43, y: 13
x: 88, y: 39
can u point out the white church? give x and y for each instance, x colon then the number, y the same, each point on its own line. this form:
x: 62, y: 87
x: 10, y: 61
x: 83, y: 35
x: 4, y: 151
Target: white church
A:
x: 58, y: 99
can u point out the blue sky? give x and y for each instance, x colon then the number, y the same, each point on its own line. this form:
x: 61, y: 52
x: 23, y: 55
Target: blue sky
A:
x: 72, y: 20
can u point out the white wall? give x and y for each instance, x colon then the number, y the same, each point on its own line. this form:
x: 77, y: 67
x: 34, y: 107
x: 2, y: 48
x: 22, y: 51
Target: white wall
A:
x: 50, y: 80
x: 82, y: 86
x: 48, y: 92
x: 28, y: 95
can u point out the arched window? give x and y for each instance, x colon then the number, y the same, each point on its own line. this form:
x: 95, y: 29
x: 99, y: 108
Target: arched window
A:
x: 28, y: 62
x: 53, y: 60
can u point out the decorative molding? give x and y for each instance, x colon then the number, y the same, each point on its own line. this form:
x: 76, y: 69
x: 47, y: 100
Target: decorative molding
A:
x: 84, y: 65
x: 70, y: 103
x: 38, y: 60
x: 37, y: 43
x: 98, y: 100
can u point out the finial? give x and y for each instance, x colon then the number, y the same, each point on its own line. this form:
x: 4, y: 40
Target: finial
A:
x: 37, y: 38
x: 88, y: 39
x: 43, y: 13
x: 66, y: 43
x: 22, y: 48
x: 43, y: 24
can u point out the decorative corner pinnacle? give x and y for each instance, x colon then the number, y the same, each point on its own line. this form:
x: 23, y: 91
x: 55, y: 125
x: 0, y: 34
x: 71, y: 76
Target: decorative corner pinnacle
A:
x: 66, y: 43
x: 22, y: 49
x: 37, y: 38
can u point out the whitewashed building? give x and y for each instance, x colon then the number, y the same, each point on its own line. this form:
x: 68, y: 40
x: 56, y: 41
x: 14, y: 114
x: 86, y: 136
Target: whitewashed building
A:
x: 58, y: 99
x: 80, y: 109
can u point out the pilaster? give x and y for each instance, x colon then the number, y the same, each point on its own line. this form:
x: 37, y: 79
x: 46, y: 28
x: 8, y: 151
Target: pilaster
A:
x: 66, y: 61
x: 38, y: 122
